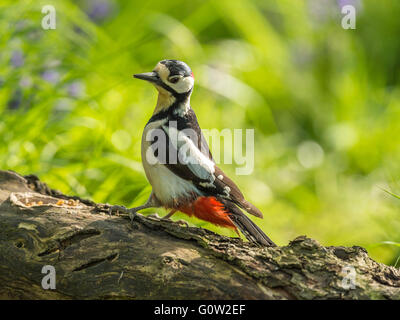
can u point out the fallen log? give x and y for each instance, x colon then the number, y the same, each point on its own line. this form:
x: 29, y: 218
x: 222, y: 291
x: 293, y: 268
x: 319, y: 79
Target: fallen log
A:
x: 99, y: 256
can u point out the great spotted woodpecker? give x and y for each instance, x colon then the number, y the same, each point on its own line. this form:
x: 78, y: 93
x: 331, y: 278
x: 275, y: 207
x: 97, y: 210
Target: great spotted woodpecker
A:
x: 181, y: 170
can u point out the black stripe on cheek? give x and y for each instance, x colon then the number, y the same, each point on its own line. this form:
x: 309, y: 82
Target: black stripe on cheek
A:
x: 168, y: 88
x: 180, y: 97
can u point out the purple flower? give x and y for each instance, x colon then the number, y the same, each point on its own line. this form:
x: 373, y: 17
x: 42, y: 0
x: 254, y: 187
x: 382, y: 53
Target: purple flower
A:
x: 76, y: 89
x: 354, y: 3
x: 16, y: 100
x: 17, y: 58
x: 51, y: 76
x: 99, y: 9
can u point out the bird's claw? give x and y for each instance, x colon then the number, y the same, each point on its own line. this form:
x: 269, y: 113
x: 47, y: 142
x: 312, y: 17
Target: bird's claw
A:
x: 132, y: 215
x: 116, y: 210
x: 167, y: 219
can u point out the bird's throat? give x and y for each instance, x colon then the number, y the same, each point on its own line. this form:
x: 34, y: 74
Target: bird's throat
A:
x: 166, y: 101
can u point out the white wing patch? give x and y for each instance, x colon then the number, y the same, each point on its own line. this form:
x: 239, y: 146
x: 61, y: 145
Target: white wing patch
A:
x: 190, y: 155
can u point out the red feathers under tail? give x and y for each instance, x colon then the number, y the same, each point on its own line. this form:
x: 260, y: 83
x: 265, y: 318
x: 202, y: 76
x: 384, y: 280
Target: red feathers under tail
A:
x: 225, y: 214
x: 211, y: 210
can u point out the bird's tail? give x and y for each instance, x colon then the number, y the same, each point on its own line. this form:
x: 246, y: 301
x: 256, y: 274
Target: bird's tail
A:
x: 250, y: 230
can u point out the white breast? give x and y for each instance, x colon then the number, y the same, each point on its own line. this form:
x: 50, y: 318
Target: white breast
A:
x: 167, y: 187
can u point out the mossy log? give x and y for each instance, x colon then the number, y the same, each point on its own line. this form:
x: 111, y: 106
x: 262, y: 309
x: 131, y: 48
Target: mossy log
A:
x: 98, y: 256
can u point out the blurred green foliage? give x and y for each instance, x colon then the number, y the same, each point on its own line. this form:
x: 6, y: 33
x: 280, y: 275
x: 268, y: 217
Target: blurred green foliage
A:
x: 324, y: 103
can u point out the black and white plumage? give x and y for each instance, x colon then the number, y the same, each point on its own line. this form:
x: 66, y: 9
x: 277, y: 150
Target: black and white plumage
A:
x: 189, y: 180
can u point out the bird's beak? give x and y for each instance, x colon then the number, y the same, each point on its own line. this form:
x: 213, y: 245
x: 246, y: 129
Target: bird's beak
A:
x: 148, y: 76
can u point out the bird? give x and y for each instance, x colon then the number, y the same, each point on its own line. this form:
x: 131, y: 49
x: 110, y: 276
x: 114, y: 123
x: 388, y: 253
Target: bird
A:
x: 179, y: 165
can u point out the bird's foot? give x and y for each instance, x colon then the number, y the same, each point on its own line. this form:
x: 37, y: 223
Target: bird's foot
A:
x: 167, y: 219
x: 116, y: 210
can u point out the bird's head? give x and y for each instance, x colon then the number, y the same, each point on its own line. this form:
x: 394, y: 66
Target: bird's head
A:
x: 170, y: 77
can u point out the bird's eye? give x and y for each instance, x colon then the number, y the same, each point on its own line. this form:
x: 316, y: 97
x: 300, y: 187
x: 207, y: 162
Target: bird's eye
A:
x: 173, y: 79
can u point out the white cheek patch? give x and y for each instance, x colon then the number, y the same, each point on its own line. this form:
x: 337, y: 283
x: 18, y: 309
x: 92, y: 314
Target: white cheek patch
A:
x: 183, y: 85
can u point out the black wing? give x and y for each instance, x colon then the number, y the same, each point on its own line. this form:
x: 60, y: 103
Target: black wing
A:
x: 199, y: 167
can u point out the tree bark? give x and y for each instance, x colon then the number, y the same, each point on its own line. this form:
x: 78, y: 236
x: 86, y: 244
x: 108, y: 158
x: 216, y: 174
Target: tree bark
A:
x: 98, y: 256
